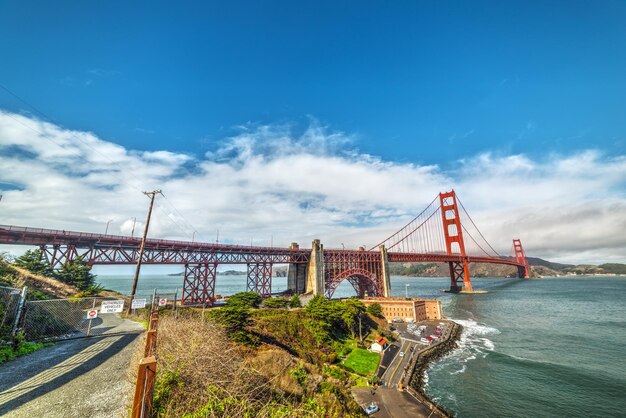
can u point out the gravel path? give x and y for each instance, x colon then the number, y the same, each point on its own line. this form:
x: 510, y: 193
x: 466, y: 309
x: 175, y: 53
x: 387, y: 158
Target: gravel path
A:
x: 85, y: 377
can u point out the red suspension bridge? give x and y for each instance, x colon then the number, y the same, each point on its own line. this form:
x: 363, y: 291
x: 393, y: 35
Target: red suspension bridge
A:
x: 440, y: 233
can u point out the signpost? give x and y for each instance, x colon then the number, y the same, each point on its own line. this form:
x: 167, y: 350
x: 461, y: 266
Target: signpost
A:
x: 92, y: 314
x: 112, y: 306
x: 162, y: 302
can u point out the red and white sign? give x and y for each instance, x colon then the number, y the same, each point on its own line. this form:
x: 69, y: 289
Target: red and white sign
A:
x: 91, y: 314
x: 162, y: 302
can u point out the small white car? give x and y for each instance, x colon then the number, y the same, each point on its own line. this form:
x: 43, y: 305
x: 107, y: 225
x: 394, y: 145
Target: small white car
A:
x: 371, y: 408
x: 401, y: 354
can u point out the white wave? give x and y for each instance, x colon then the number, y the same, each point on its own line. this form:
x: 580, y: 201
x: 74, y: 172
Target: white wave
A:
x: 462, y: 370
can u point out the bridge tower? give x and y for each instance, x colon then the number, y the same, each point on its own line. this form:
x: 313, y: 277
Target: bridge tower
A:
x: 520, y: 257
x: 452, y: 231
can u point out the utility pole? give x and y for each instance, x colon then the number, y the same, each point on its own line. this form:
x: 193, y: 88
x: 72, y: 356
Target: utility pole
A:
x: 152, y: 194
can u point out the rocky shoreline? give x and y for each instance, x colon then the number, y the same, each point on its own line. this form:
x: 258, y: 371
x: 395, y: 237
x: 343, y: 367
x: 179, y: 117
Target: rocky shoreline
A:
x: 423, y: 360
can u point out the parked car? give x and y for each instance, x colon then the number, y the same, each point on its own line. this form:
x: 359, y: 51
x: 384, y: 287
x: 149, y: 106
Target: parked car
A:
x: 371, y: 408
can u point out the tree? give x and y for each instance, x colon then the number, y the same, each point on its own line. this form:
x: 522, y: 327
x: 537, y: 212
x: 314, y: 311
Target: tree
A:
x: 352, y: 311
x: 294, y: 302
x: 245, y: 300
x: 32, y: 260
x: 375, y: 309
x: 77, y: 273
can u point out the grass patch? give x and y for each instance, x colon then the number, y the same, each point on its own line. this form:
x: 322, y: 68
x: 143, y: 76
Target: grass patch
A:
x: 362, y: 362
x: 7, y: 353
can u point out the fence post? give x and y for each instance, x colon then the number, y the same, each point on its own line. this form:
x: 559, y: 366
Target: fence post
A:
x: 144, y: 389
x: 153, y: 298
x: 20, y: 311
x: 93, y: 306
x: 175, y: 297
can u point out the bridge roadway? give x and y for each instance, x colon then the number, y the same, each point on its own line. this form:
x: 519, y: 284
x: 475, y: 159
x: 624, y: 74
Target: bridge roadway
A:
x: 316, y: 270
x: 118, y: 249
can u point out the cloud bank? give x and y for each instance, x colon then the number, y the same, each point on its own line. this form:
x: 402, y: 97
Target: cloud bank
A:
x: 270, y: 185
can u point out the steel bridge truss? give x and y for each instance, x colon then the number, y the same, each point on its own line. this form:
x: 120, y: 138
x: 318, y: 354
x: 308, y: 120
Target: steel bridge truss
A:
x: 259, y: 279
x: 363, y: 269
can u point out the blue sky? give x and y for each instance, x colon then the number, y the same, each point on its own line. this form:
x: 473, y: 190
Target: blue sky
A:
x: 289, y: 121
x: 426, y: 82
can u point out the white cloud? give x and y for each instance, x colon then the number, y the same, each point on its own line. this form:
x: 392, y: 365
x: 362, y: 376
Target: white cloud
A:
x: 267, y: 181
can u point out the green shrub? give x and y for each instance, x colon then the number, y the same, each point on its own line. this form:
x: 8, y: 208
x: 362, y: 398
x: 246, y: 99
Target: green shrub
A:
x: 245, y: 300
x: 299, y: 374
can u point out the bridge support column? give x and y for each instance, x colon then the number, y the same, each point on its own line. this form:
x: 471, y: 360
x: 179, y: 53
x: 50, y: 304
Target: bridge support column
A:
x: 260, y: 279
x: 454, y: 240
x: 315, y: 270
x: 523, y: 272
x: 199, y: 283
x: 459, y: 271
x: 296, y: 274
x: 384, y: 271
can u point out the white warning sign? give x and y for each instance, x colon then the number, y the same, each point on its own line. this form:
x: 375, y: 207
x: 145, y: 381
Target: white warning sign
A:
x: 112, y: 306
x: 138, y: 303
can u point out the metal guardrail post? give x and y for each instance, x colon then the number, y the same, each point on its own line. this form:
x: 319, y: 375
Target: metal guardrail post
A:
x: 20, y: 311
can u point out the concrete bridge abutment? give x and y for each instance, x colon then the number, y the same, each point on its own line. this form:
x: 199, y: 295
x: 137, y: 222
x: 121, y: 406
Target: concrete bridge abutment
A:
x: 384, y: 271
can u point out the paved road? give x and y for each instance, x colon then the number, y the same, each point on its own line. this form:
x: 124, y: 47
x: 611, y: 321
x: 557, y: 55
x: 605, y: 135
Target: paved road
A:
x: 395, y: 370
x: 85, y: 377
x: 392, y: 403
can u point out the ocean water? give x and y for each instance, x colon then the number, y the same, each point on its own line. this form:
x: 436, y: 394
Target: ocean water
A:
x: 553, y: 347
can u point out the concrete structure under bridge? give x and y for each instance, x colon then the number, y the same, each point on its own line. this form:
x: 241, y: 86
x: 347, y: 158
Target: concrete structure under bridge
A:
x: 435, y: 235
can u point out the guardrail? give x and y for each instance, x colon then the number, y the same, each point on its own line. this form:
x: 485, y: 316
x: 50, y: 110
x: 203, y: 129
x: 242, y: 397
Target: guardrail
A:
x: 146, y: 372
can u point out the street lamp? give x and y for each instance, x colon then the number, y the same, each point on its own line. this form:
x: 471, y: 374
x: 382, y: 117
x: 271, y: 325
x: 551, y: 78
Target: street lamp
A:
x: 193, y: 237
x: 406, y: 290
x: 132, y: 233
x: 107, y: 228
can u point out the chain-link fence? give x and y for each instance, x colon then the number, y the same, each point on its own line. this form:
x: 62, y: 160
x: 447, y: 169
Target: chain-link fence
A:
x: 72, y: 318
x: 9, y: 307
x: 45, y: 320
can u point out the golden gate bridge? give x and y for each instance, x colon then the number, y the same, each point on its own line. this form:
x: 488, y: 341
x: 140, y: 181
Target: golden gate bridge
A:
x: 440, y: 233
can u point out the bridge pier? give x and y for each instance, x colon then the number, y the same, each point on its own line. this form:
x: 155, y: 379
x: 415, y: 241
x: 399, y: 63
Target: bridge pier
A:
x: 315, y: 270
x: 459, y: 271
x: 260, y: 279
x: 296, y: 274
x: 199, y: 283
x: 384, y: 271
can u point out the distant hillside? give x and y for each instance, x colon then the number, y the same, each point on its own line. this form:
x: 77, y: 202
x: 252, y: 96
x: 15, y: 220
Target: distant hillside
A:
x: 539, y: 267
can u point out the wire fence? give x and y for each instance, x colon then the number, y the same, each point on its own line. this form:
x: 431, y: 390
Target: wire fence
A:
x: 9, y: 308
x: 57, y: 319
